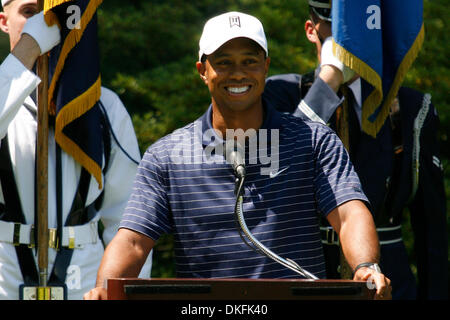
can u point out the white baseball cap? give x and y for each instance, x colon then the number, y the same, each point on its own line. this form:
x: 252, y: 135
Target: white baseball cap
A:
x: 5, y: 2
x: 227, y: 26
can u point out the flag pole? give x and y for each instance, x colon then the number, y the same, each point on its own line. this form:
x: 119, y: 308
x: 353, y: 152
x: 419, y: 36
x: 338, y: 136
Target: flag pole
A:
x: 42, y: 172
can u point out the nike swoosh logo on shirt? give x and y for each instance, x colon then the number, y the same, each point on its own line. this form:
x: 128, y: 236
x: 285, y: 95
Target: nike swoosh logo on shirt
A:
x: 276, y: 173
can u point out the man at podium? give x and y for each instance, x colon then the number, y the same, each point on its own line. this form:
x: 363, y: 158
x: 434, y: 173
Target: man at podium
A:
x: 294, y: 171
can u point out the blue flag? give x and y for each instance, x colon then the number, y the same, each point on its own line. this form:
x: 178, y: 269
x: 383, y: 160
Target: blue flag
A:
x: 75, y: 85
x: 379, y: 40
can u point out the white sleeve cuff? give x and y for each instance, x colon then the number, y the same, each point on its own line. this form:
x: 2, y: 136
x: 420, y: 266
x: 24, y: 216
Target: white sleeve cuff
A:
x: 14, y: 69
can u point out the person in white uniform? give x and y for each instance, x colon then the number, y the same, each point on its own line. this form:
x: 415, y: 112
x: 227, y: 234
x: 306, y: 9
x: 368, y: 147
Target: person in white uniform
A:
x: 30, y: 37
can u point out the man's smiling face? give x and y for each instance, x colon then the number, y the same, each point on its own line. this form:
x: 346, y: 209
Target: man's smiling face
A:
x: 235, y: 74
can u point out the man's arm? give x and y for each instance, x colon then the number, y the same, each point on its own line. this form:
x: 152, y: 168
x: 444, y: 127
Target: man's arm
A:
x: 358, y: 237
x: 332, y: 76
x: 354, y: 224
x: 27, y: 51
x: 123, y: 258
x: 16, y: 80
x: 36, y: 38
x: 321, y: 101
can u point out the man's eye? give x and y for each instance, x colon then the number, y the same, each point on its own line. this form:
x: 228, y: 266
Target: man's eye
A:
x: 223, y: 63
x: 250, y: 61
x: 29, y: 12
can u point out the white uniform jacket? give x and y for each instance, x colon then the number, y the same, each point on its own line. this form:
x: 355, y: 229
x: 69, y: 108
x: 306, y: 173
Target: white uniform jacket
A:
x: 16, y: 84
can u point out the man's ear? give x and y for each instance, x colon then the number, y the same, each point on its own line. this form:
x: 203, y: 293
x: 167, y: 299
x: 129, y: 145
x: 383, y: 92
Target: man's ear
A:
x: 202, y: 71
x: 4, y: 22
x: 266, y: 66
x: 310, y: 32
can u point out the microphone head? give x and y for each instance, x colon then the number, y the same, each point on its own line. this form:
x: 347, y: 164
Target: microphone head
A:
x: 235, y: 155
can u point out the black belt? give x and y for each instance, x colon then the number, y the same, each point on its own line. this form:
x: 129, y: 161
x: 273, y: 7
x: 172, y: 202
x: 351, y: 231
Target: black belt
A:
x: 386, y: 235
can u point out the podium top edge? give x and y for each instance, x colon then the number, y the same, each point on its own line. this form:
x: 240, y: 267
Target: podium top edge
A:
x: 241, y: 280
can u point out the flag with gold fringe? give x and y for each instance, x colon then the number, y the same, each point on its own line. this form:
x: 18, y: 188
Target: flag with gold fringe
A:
x: 379, y: 39
x: 75, y: 85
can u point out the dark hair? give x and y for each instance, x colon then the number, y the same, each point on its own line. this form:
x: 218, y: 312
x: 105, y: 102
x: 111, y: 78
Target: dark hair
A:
x: 313, y: 15
x: 315, y: 18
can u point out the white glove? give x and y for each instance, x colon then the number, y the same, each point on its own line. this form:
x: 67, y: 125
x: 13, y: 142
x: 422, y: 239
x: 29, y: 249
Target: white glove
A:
x: 45, y: 36
x: 327, y: 57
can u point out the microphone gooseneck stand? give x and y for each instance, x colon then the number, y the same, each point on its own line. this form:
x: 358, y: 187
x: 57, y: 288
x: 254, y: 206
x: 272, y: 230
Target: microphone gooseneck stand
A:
x: 258, y: 246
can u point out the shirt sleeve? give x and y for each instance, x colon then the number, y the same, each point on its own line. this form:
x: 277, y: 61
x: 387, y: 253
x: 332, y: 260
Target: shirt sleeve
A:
x: 336, y: 181
x: 16, y: 83
x: 147, y: 211
x: 319, y: 104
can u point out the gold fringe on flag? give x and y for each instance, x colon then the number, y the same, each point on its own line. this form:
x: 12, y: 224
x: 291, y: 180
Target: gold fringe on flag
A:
x: 71, y: 111
x: 403, y: 68
x: 50, y: 4
x: 71, y: 40
x: 373, y: 101
x: 365, y: 71
x: 83, y: 103
x: 51, y: 19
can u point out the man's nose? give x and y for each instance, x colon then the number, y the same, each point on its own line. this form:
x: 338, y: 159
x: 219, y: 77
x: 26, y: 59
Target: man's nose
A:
x: 237, y: 72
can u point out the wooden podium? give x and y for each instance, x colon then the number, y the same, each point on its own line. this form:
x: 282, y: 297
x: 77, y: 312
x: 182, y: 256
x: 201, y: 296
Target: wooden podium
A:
x: 236, y: 289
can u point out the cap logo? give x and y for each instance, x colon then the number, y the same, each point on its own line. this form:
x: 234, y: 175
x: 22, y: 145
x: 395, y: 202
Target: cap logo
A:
x: 235, y: 21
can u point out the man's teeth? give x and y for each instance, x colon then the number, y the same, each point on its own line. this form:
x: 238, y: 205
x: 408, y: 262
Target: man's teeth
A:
x: 237, y: 89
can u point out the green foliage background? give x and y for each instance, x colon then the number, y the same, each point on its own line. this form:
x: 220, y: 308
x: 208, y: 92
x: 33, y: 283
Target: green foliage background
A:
x: 149, y: 49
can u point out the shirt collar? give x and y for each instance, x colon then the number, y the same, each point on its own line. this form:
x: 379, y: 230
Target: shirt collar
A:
x: 272, y: 120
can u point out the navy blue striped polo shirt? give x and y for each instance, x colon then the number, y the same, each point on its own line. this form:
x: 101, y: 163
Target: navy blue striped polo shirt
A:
x: 184, y: 186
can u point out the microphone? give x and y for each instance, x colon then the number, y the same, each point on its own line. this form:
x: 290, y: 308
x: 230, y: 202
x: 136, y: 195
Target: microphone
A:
x: 234, y: 154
